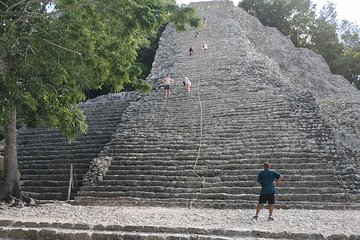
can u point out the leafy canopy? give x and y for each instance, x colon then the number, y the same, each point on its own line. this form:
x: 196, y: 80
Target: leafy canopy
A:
x: 53, y: 52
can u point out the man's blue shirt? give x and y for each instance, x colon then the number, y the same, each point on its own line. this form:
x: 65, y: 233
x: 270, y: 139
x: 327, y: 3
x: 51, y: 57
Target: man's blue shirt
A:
x: 266, y: 178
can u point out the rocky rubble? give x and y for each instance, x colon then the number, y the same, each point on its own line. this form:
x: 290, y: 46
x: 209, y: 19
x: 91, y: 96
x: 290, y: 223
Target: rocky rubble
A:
x: 98, y: 168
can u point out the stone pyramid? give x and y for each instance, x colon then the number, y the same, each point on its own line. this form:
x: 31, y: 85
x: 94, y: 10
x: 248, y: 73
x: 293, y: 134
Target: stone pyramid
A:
x: 254, y: 98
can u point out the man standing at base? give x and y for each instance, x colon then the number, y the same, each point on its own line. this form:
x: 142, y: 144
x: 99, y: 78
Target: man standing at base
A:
x: 268, y: 179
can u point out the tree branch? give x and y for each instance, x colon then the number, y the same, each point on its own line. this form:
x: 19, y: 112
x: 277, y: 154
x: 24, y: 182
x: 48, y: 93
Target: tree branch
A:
x: 64, y: 48
x: 14, y: 5
x: 24, y: 1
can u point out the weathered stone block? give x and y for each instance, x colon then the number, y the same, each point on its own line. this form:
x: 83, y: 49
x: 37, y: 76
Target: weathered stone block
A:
x: 46, y: 234
x: 6, y: 223
x: 4, y: 232
x: 354, y: 237
x: 103, y: 236
x: 81, y: 226
x: 338, y: 237
x: 17, y: 233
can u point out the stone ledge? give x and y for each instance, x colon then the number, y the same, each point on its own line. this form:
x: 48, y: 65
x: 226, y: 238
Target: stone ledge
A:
x: 69, y: 231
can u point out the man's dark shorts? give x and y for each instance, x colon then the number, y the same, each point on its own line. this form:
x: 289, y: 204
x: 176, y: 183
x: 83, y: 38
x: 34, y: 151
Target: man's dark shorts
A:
x: 267, y: 198
x: 166, y: 86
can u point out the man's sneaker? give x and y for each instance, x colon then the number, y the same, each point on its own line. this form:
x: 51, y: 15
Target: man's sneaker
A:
x: 255, y: 217
x: 271, y: 218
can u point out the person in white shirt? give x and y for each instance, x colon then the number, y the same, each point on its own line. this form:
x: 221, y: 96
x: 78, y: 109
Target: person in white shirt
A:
x: 187, y: 83
x: 205, y: 47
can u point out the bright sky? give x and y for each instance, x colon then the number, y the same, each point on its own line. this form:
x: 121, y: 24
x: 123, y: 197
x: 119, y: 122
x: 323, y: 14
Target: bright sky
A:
x: 346, y: 9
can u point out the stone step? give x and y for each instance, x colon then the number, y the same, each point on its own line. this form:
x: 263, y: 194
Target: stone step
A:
x: 225, y: 108
x: 45, y: 166
x: 50, y: 189
x: 212, y: 157
x: 65, y: 153
x: 60, y: 140
x: 215, y: 165
x: 210, y: 135
x: 192, y: 188
x: 54, y: 149
x: 93, y: 132
x: 11, y: 229
x: 190, y: 157
x: 66, y: 162
x: 203, y: 203
x: 48, y: 195
x: 245, y: 177
x: 60, y: 155
x: 47, y: 182
x: 212, y: 183
x: 316, y: 197
x: 243, y: 118
x: 207, y: 151
x: 49, y: 177
x: 54, y: 171
x: 211, y: 172
x: 141, y: 159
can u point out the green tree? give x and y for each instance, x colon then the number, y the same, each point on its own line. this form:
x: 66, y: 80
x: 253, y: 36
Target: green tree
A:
x: 349, y: 35
x: 256, y: 8
x: 348, y: 63
x: 291, y: 18
x: 324, y: 38
x: 301, y: 16
x: 53, y: 52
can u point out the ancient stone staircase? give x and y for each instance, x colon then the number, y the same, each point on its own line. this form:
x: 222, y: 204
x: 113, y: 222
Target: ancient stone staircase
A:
x: 206, y: 148
x: 45, y: 157
x: 34, y: 230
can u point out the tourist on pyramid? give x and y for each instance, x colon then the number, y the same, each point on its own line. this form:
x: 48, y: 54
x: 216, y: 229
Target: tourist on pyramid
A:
x: 191, y: 51
x: 196, y: 34
x: 187, y: 83
x: 205, y: 47
x: 268, y: 179
x: 167, y: 81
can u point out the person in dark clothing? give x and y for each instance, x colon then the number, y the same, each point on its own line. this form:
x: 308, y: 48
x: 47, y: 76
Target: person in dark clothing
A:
x: 191, y: 50
x: 268, y: 179
x: 205, y: 46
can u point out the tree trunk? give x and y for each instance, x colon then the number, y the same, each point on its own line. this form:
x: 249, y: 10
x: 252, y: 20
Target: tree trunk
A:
x: 11, y: 185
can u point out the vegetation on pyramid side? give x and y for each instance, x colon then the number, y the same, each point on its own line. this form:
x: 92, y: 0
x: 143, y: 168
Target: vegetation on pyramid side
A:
x: 338, y: 43
x: 53, y: 52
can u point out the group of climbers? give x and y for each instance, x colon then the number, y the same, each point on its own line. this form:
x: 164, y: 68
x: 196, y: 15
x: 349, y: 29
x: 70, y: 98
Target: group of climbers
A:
x: 167, y: 81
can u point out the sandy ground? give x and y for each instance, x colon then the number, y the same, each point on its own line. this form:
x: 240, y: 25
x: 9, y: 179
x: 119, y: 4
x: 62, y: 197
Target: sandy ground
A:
x: 325, y: 222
